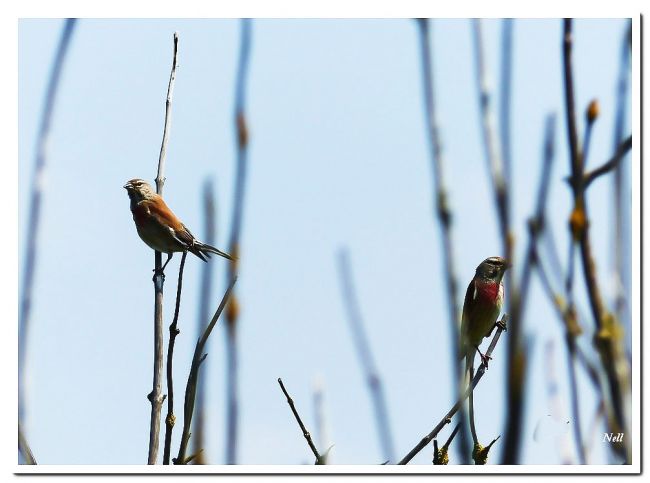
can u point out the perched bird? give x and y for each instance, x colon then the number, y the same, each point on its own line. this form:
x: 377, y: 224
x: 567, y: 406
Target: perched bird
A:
x: 159, y: 227
x: 483, y: 302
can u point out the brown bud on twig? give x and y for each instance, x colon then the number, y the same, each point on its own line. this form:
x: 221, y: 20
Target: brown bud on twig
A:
x: 592, y: 111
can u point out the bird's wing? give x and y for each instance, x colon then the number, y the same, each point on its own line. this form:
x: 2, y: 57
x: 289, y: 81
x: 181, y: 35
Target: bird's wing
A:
x: 166, y: 217
x: 468, y: 304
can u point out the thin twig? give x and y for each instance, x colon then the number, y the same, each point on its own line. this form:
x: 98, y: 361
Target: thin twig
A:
x: 443, y: 213
x: 156, y: 396
x: 210, y: 222
x: 447, y: 417
x: 35, y: 203
x: 611, y: 164
x: 24, y: 448
x: 365, y: 355
x: 613, y: 360
x: 235, y: 233
x: 173, y: 332
x: 305, y: 433
x: 192, y: 379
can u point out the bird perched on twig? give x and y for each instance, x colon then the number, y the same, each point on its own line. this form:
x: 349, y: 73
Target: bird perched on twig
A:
x: 482, y: 306
x: 160, y: 228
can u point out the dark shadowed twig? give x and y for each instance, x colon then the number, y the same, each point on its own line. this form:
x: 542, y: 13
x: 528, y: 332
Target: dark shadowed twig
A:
x: 305, y: 433
x: 36, y: 200
x: 447, y: 417
x: 443, y: 213
x: 365, y: 355
x: 204, y: 304
x: 24, y: 448
x: 237, y: 217
x: 192, y: 379
x: 441, y: 455
x: 173, y: 332
x: 606, y: 341
x: 156, y: 396
x: 611, y: 164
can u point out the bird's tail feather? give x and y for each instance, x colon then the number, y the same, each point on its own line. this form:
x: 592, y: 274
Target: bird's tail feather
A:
x: 206, y: 249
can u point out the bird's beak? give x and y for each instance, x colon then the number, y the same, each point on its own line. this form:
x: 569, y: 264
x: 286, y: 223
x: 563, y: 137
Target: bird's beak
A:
x: 127, y: 186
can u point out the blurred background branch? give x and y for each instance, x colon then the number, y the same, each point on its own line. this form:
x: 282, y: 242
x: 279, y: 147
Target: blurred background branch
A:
x: 443, y: 212
x: 34, y: 218
x: 232, y: 315
x: 373, y: 380
x: 209, y: 229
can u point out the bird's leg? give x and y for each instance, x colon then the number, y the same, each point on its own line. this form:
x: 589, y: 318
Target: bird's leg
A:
x: 484, y: 358
x: 500, y: 324
x: 169, y: 257
x: 161, y: 271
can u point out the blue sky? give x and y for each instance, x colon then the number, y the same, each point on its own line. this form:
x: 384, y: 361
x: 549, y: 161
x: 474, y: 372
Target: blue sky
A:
x: 338, y: 157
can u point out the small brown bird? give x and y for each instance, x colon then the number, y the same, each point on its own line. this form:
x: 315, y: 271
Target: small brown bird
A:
x: 160, y: 228
x: 482, y: 306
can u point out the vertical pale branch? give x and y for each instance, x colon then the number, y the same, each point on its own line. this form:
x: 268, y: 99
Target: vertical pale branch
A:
x: 365, y: 355
x: 232, y: 314
x: 204, y: 297
x: 193, y: 378
x: 156, y: 396
x: 607, y: 339
x: 443, y: 213
x: 36, y: 200
x: 170, y: 420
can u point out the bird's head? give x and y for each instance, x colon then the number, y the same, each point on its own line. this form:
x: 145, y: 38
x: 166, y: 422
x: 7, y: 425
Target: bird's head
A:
x: 139, y: 189
x: 492, y: 268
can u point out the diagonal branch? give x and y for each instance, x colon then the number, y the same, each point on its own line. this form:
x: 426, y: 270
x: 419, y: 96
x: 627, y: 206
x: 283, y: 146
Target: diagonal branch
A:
x: 611, y: 164
x: 501, y: 326
x: 192, y: 379
x: 305, y: 433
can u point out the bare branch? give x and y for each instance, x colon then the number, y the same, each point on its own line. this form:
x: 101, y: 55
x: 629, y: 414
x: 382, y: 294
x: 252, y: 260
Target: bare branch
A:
x: 501, y: 326
x: 611, y: 164
x: 192, y: 379
x: 173, y: 332
x: 155, y: 396
x: 305, y: 433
